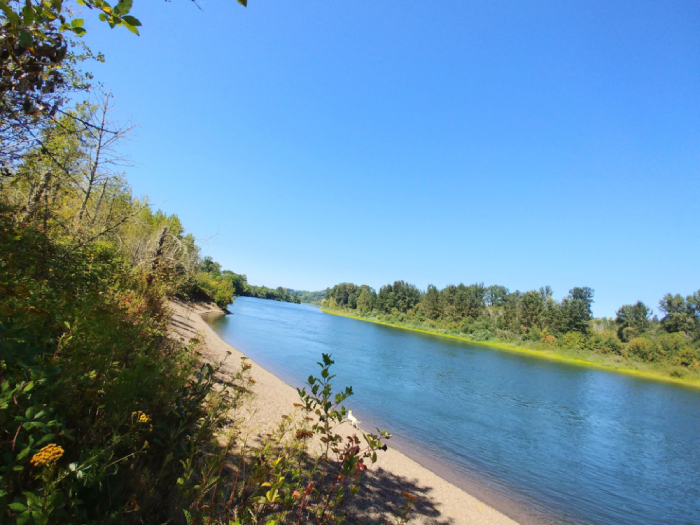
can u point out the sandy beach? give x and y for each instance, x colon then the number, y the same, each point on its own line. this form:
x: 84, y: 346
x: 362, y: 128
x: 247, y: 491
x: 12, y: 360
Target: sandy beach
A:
x: 439, y: 502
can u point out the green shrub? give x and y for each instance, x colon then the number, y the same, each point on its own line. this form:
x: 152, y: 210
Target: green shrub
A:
x: 687, y: 356
x: 533, y: 334
x: 642, y: 348
x: 573, y: 340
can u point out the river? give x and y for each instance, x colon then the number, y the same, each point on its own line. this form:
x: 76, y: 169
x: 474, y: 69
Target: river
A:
x: 543, y: 441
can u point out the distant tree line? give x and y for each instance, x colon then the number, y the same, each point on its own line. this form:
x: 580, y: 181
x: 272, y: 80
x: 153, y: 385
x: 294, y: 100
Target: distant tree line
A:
x: 211, y: 282
x: 492, y: 313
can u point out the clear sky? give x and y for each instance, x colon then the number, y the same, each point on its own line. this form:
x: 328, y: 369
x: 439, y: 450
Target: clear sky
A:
x: 505, y: 142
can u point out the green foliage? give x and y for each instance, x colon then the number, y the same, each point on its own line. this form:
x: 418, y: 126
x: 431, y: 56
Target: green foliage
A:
x: 84, y: 354
x: 346, y: 295
x: 400, y: 296
x: 536, y: 320
x: 575, y: 311
x: 532, y: 307
x: 103, y: 417
x: 642, y: 348
x: 682, y: 314
x: 274, y: 294
x: 308, y: 297
x: 634, y: 320
x: 573, y: 340
x: 282, y: 480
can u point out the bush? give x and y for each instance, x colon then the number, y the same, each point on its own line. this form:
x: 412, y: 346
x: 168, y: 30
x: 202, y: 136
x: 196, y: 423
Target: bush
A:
x: 89, y: 373
x: 573, y: 340
x: 533, y: 334
x: 610, y: 344
x: 547, y: 338
x: 642, y: 348
x: 629, y: 333
x: 688, y: 357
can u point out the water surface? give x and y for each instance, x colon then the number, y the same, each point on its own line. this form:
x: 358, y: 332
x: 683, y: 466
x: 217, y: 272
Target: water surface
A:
x: 559, y: 443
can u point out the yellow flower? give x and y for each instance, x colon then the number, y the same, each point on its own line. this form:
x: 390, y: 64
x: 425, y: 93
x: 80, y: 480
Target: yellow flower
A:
x: 47, y: 455
x: 141, y: 417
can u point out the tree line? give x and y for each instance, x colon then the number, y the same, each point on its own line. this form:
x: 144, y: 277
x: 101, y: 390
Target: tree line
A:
x: 493, y: 313
x: 213, y: 283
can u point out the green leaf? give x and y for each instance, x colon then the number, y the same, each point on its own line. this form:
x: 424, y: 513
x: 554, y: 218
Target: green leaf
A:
x: 45, y: 439
x: 25, y: 38
x: 77, y: 22
x: 132, y: 21
x: 17, y: 507
x: 10, y: 14
x: 124, y: 6
x: 244, y: 3
x: 28, y: 13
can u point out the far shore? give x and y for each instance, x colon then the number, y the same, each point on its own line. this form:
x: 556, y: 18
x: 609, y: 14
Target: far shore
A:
x: 622, y: 368
x: 439, y: 501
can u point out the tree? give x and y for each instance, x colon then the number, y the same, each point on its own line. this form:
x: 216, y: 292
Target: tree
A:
x: 634, y: 320
x: 364, y: 301
x: 682, y: 314
x: 210, y: 266
x: 39, y: 67
x: 511, y: 303
x: 495, y: 295
x: 575, y: 312
x: 532, y: 306
x: 469, y: 301
x: 430, y: 303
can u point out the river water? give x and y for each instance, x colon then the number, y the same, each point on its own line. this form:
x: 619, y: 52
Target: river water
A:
x: 545, y: 442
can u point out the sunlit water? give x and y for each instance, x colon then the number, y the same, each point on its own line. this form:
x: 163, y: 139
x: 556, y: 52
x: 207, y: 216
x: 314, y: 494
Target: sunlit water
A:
x: 557, y: 443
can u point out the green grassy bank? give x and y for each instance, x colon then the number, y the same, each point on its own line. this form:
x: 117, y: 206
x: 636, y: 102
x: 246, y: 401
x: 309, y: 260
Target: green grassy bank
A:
x: 580, y: 357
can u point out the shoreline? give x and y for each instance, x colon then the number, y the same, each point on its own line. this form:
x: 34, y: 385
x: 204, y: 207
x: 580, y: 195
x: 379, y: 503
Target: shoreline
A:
x: 440, y: 502
x: 691, y: 383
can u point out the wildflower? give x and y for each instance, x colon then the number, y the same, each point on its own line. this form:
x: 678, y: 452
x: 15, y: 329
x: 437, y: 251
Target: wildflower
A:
x: 297, y: 495
x: 132, y: 505
x: 47, y: 455
x: 145, y: 444
x: 141, y: 417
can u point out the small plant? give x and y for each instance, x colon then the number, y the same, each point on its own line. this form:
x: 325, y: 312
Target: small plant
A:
x: 284, y: 479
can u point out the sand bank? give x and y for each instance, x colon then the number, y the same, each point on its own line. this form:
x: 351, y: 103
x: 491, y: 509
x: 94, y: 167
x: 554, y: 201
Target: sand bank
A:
x: 439, y: 502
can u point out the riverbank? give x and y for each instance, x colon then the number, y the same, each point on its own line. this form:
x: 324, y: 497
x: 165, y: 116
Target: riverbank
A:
x: 439, y: 502
x: 605, y: 363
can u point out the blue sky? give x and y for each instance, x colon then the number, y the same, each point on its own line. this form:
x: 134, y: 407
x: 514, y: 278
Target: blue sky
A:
x: 516, y: 143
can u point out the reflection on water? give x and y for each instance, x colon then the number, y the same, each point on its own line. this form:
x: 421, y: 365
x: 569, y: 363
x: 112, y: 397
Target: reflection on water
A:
x: 571, y: 444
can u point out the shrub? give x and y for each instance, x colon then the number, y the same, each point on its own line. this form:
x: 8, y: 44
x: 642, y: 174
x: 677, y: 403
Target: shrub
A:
x: 687, y: 356
x: 643, y: 348
x: 573, y: 340
x: 547, y: 338
x: 532, y: 334
x: 629, y: 333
